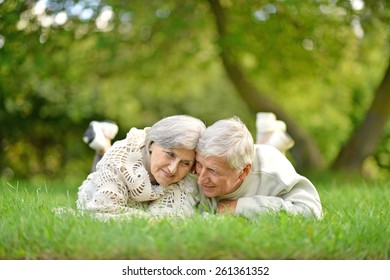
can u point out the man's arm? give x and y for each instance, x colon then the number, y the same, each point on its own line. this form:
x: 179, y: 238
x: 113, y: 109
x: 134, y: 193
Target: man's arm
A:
x: 302, y: 199
x: 226, y: 206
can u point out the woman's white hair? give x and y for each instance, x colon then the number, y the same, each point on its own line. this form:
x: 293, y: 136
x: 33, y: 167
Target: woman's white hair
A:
x: 176, y: 132
x: 230, y: 138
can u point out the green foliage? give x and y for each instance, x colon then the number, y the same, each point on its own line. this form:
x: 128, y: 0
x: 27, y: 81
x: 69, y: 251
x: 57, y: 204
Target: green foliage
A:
x: 160, y: 58
x: 355, y: 226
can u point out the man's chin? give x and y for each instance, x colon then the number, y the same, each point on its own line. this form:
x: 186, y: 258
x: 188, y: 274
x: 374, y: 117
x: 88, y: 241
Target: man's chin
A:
x: 208, y: 192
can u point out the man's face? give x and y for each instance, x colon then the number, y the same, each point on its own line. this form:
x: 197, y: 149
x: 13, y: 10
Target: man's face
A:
x: 216, y: 177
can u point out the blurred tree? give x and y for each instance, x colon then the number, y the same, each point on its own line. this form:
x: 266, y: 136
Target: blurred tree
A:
x: 38, y: 93
x: 309, y: 154
x: 364, y: 140
x: 306, y: 151
x: 314, y: 63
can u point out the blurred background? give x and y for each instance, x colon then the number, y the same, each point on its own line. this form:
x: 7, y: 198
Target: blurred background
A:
x: 321, y: 66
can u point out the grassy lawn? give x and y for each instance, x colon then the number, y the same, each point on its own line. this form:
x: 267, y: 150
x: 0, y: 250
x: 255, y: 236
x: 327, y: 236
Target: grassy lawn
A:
x: 355, y: 227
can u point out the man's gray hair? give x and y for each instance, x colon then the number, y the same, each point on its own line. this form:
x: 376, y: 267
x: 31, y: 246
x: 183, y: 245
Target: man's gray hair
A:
x: 230, y: 138
x: 176, y: 132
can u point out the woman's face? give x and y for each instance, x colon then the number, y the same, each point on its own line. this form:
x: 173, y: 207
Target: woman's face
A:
x: 169, y: 166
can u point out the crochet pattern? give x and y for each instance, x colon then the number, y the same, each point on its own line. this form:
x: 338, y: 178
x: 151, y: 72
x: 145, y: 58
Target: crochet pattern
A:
x: 121, y: 188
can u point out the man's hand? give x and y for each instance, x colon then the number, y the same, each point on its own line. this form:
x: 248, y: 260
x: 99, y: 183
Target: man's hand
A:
x: 226, y: 206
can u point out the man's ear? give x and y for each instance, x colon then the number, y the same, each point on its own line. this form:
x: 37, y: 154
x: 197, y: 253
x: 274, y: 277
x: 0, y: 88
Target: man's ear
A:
x: 245, y: 171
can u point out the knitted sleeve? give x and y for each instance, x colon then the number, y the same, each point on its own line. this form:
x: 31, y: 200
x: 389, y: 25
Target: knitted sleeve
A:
x: 123, y: 164
x: 120, y: 183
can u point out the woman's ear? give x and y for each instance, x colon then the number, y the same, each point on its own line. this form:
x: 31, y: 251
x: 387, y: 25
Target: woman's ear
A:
x: 150, y: 148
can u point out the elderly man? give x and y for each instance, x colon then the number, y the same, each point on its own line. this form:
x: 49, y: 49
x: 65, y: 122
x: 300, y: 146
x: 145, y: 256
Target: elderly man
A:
x: 239, y: 177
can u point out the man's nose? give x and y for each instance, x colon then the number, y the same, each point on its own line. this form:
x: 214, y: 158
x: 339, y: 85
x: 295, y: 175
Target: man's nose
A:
x: 202, y: 177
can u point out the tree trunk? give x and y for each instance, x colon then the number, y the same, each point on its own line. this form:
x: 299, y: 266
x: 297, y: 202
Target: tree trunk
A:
x: 364, y: 140
x: 306, y: 153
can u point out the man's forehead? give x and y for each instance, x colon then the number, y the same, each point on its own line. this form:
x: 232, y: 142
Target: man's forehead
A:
x: 212, y: 160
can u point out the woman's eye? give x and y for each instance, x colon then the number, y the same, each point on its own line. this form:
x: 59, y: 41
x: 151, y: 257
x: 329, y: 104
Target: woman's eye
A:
x: 170, y: 154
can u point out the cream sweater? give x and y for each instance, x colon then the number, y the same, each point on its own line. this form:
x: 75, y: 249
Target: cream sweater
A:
x: 272, y: 185
x: 121, y: 186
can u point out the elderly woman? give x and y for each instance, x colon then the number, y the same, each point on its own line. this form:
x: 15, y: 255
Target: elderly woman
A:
x: 147, y: 173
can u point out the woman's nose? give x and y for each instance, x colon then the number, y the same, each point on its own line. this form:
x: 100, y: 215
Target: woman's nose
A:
x: 173, y: 167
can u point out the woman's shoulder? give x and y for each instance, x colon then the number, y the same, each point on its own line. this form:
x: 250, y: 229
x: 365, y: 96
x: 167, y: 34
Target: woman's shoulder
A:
x: 137, y: 132
x: 136, y: 136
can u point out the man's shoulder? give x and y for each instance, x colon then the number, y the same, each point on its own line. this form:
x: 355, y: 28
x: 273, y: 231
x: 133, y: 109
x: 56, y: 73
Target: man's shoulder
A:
x: 264, y: 148
x: 269, y: 159
x: 268, y: 153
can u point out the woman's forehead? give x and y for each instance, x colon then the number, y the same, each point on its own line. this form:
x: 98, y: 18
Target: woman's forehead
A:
x: 184, y: 154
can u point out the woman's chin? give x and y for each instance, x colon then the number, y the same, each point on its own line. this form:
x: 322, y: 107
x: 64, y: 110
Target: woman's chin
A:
x: 163, y: 181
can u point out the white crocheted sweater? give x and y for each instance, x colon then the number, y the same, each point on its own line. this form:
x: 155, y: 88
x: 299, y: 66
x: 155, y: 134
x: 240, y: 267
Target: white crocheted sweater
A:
x: 121, y: 187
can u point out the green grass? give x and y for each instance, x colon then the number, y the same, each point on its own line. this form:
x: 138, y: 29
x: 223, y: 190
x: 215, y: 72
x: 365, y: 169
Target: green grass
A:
x: 355, y: 226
